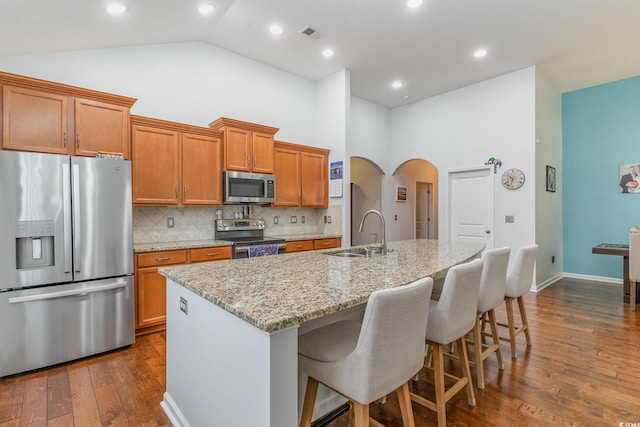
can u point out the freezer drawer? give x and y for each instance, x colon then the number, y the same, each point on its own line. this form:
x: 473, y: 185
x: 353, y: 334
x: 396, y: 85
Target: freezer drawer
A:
x: 45, y: 326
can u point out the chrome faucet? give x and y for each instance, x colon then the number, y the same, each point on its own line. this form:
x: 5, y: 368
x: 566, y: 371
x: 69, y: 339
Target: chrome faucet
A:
x: 383, y: 244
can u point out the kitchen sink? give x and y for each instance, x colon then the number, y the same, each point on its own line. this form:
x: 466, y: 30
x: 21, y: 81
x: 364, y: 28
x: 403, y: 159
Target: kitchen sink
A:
x: 366, y: 252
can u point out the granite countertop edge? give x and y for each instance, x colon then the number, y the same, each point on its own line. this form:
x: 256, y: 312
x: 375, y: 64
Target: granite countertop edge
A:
x: 260, y: 291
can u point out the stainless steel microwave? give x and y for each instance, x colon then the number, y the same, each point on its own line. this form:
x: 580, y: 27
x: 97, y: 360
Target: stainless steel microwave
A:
x: 247, y: 187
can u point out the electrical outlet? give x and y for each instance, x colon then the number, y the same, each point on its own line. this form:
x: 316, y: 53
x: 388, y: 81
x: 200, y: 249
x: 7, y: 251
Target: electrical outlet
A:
x: 302, y: 219
x: 325, y: 219
x: 184, y: 306
x: 329, y: 219
x: 170, y: 222
x: 509, y: 219
x: 275, y: 219
x: 294, y: 219
x: 553, y: 259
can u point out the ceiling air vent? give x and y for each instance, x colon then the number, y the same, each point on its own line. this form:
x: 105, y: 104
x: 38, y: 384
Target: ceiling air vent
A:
x: 310, y: 32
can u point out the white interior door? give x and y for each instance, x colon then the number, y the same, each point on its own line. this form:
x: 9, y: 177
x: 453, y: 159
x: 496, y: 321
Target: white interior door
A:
x: 423, y: 211
x: 471, y: 206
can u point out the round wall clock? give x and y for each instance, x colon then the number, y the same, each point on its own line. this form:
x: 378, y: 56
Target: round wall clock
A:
x: 512, y: 179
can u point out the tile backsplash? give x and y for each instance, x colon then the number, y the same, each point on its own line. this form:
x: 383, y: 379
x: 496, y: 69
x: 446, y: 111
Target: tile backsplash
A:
x: 150, y: 223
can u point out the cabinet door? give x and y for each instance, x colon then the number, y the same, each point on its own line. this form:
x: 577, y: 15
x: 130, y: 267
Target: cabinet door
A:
x: 300, y: 246
x: 34, y: 120
x: 201, y: 171
x: 151, y: 297
x: 237, y: 149
x: 287, y: 171
x: 315, y: 181
x: 155, y: 166
x: 101, y: 127
x: 262, y: 153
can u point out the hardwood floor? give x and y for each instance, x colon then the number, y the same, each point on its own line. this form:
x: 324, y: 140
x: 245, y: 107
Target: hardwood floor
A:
x: 583, y: 369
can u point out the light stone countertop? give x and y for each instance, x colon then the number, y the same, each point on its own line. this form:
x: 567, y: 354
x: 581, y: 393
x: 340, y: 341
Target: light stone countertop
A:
x: 307, y: 236
x: 276, y: 292
x: 185, y: 244
x: 189, y: 244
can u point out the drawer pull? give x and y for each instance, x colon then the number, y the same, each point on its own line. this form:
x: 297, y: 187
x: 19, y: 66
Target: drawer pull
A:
x: 299, y: 246
x: 325, y: 243
x: 163, y: 259
x: 212, y: 254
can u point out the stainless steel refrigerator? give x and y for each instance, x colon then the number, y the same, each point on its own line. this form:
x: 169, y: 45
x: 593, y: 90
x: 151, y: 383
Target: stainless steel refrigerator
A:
x: 66, y: 258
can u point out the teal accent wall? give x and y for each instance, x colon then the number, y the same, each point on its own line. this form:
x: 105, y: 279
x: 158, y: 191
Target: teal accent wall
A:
x: 600, y: 131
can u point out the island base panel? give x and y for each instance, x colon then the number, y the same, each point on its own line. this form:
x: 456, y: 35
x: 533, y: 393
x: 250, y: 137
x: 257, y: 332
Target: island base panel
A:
x: 223, y: 371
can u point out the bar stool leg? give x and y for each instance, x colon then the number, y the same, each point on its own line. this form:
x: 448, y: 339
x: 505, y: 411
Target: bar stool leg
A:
x: 404, y: 399
x: 438, y: 373
x: 523, y: 317
x: 512, y: 327
x: 477, y: 352
x: 309, y: 402
x: 496, y: 338
x: 361, y: 414
x: 466, y: 371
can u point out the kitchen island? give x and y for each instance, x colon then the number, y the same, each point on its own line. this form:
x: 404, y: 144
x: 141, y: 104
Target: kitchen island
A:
x: 232, y: 326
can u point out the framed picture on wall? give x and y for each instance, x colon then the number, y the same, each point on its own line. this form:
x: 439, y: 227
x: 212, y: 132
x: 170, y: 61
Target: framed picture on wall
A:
x: 551, y: 179
x: 630, y: 178
x: 401, y: 194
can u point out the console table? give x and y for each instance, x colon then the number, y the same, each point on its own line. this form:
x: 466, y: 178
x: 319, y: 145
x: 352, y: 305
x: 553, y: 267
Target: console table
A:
x: 620, y: 250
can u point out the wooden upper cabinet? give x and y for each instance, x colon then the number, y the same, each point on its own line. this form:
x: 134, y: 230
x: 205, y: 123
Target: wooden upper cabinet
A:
x: 315, y: 182
x: 49, y: 117
x: 288, y: 177
x: 101, y: 127
x: 34, y: 120
x: 247, y: 147
x: 301, y: 175
x: 201, y: 171
x: 155, y: 165
x: 175, y: 163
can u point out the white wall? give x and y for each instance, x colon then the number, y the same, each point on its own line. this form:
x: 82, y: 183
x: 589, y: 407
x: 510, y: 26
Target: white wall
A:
x: 370, y: 132
x: 332, y: 119
x: 548, y: 204
x: 191, y: 83
x: 464, y: 128
x: 367, y: 192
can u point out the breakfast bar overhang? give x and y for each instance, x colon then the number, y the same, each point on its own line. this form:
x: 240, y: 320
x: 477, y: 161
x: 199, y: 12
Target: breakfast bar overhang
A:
x: 232, y: 326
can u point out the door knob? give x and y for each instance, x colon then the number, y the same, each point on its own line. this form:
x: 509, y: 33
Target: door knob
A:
x: 487, y: 231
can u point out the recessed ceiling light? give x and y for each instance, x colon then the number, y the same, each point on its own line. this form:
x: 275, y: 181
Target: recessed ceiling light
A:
x: 276, y: 29
x: 412, y: 4
x: 328, y: 52
x: 206, y: 8
x: 116, y: 9
x: 397, y: 84
x: 480, y: 53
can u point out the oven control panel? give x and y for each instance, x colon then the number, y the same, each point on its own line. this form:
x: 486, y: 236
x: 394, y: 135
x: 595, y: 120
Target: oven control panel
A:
x: 239, y: 224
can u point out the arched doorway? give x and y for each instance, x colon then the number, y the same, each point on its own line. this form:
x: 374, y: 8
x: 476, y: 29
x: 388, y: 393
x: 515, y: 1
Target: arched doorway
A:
x: 366, y: 193
x: 418, y: 215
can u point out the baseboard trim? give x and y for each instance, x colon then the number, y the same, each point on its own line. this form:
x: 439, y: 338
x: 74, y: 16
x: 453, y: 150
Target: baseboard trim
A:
x: 173, y: 412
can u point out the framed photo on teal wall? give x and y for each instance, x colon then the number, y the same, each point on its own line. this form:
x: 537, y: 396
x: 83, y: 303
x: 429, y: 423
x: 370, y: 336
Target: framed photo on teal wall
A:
x: 551, y: 179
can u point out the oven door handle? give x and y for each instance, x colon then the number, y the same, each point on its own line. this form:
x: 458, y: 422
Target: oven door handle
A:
x: 242, y: 249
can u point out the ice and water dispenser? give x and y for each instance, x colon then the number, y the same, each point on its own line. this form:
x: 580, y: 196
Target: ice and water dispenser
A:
x: 34, y: 244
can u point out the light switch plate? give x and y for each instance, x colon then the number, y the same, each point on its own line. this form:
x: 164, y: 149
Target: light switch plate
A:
x: 294, y: 219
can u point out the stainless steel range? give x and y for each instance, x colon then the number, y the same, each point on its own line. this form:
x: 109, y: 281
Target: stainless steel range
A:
x: 247, y: 236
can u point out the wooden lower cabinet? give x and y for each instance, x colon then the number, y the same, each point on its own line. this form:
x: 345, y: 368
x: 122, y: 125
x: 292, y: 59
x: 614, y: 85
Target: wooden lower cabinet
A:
x: 313, y: 244
x: 333, y: 242
x: 151, y: 295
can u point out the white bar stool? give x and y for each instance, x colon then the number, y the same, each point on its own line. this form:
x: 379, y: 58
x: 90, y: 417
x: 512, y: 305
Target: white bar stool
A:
x: 519, y: 279
x: 365, y: 362
x: 492, y: 289
x: 451, y: 318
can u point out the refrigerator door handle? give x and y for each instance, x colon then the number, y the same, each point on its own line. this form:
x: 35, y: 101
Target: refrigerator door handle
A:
x: 76, y: 217
x: 66, y: 208
x: 71, y: 292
